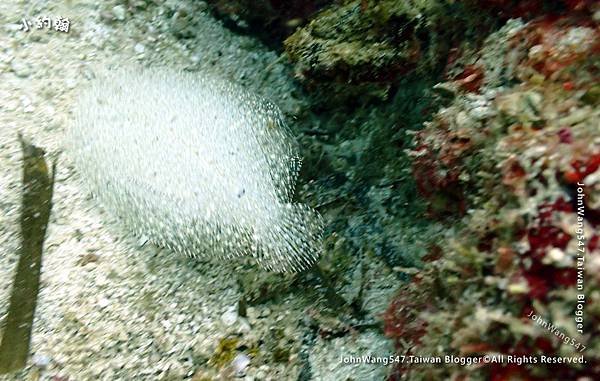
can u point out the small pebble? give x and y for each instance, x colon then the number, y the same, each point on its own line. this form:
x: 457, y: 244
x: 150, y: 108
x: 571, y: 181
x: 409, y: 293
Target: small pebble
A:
x: 195, y: 58
x: 119, y: 12
x: 244, y: 325
x: 229, y: 317
x: 252, y: 315
x: 26, y: 103
x: 240, y: 363
x: 20, y: 68
x: 70, y: 82
x: 103, y: 302
x: 40, y: 360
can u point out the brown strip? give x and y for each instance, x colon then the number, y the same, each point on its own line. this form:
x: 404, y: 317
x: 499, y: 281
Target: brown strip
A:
x: 37, y: 202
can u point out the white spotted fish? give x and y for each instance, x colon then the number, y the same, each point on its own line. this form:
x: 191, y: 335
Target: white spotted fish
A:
x: 196, y: 164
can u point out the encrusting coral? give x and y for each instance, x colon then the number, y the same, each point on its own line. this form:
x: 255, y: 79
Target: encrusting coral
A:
x: 512, y: 163
x: 196, y: 164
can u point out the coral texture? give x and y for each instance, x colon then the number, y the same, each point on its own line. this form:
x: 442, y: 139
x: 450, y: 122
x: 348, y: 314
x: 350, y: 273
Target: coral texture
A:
x: 197, y: 165
x: 503, y: 165
x: 365, y: 41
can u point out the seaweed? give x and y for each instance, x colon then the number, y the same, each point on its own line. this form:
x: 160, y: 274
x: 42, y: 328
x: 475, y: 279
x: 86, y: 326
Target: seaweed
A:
x: 38, y: 186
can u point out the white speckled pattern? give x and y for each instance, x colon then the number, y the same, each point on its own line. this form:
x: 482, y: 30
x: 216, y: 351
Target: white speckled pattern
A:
x: 197, y: 164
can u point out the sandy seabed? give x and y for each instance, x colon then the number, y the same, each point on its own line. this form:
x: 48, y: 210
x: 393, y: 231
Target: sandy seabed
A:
x: 111, y: 307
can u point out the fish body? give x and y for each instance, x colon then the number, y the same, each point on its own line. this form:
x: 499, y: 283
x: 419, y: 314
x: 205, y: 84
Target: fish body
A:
x: 195, y: 163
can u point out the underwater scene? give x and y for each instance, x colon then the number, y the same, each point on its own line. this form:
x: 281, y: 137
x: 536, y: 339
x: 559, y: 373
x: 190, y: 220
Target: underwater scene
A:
x: 273, y: 190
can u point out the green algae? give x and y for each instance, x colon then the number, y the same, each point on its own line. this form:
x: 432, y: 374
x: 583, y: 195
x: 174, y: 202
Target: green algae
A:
x: 224, y: 352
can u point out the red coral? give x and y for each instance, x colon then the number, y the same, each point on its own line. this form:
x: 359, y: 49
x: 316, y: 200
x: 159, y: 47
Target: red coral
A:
x: 401, y: 321
x: 565, y: 135
x: 544, y: 345
x: 543, y: 236
x: 448, y: 159
x: 594, y: 242
x: 538, y: 286
x: 546, y: 33
x: 581, y: 169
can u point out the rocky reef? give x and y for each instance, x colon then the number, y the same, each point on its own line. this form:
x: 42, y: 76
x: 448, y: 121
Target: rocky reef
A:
x: 511, y: 165
x: 445, y: 145
x: 378, y: 41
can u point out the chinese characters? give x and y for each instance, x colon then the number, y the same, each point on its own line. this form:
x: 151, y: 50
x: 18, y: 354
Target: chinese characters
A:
x: 59, y: 24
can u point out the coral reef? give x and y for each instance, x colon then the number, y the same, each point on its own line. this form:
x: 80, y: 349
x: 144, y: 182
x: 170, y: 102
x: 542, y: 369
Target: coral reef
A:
x: 503, y: 165
x: 378, y: 41
x: 497, y: 168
